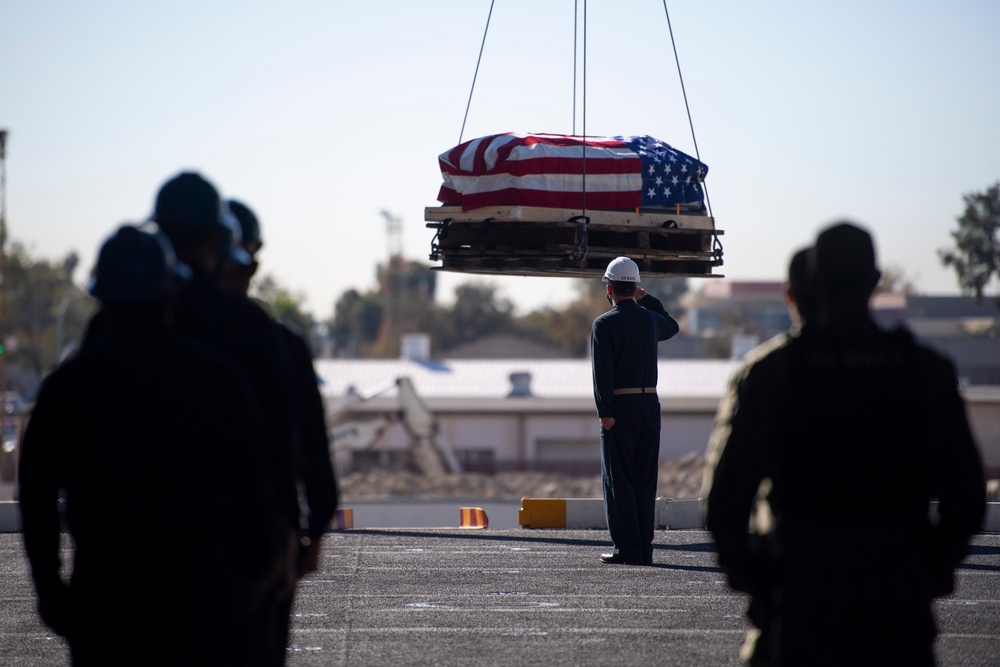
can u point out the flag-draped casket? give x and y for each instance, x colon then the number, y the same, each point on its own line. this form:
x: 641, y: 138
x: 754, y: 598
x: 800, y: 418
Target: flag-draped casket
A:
x: 551, y: 170
x: 550, y: 204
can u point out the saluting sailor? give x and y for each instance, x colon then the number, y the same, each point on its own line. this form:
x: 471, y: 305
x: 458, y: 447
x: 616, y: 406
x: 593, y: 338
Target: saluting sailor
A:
x: 623, y: 353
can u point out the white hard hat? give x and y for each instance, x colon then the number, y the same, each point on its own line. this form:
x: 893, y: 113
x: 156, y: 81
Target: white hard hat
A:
x: 622, y: 269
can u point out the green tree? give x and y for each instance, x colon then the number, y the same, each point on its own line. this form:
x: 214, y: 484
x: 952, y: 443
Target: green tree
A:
x: 976, y: 256
x: 569, y: 328
x: 669, y: 291
x: 406, y: 289
x: 478, y: 311
x: 284, y: 305
x: 894, y: 281
x: 369, y: 324
x: 357, y: 319
x: 45, y: 315
x: 410, y: 281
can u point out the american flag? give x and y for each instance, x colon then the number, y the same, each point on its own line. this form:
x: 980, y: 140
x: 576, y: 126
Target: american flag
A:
x: 547, y: 170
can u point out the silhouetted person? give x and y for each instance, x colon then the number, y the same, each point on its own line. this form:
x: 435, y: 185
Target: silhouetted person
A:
x: 623, y: 344
x: 856, y: 430
x: 201, y: 227
x: 801, y: 303
x: 314, y: 470
x: 153, y: 442
x: 800, y: 299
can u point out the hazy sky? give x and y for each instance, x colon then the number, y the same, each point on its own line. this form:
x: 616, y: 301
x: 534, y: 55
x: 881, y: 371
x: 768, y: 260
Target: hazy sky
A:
x: 321, y: 114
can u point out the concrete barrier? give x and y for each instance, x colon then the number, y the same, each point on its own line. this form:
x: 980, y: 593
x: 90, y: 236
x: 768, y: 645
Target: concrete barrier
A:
x: 588, y: 513
x: 581, y: 513
x: 543, y: 512
x: 468, y: 517
x: 683, y: 514
x: 572, y: 513
x: 472, y: 517
x: 671, y: 514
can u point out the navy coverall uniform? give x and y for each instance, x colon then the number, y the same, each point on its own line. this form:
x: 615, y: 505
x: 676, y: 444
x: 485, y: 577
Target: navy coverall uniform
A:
x: 623, y: 353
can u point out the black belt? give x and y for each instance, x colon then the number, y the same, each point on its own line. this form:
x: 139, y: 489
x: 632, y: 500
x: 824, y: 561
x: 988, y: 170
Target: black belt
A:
x: 635, y: 390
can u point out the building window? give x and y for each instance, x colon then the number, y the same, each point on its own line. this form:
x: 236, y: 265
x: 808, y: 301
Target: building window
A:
x: 476, y: 460
x: 569, y: 457
x: 385, y: 459
x: 773, y: 318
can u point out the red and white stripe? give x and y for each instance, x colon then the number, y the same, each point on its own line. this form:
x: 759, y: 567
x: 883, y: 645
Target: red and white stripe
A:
x: 541, y: 170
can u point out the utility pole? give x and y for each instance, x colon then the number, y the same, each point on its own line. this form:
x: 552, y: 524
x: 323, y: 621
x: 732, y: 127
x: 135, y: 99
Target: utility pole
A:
x: 394, y: 229
x: 3, y: 291
x: 394, y: 278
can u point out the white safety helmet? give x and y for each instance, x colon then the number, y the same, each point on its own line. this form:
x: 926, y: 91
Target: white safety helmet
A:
x: 622, y: 269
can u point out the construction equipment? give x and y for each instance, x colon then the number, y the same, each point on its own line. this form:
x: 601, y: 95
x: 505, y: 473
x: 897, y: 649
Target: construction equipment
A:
x: 430, y: 453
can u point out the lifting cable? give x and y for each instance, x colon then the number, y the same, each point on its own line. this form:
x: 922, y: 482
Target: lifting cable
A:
x: 584, y: 113
x: 581, y: 254
x: 575, y: 2
x: 476, y: 74
x: 716, y: 244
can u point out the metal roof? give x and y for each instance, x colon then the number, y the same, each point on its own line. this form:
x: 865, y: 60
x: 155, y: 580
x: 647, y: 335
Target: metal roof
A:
x: 490, y: 378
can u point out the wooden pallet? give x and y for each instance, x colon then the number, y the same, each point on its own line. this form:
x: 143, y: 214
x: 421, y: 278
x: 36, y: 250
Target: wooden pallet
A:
x: 531, y: 241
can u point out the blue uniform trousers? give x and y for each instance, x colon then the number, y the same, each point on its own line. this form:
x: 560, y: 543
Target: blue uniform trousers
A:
x: 630, y: 452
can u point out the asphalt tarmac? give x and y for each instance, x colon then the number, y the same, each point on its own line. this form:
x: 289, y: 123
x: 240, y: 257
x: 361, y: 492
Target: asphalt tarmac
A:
x: 519, y: 597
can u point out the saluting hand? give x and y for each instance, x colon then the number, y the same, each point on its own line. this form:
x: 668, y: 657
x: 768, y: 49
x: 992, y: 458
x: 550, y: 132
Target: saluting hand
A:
x: 639, y: 293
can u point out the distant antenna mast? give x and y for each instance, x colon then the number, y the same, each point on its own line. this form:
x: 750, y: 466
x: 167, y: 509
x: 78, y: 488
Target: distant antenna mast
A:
x: 393, y: 268
x: 394, y: 232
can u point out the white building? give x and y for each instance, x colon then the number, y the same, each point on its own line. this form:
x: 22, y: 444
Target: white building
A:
x: 547, y: 421
x: 539, y: 414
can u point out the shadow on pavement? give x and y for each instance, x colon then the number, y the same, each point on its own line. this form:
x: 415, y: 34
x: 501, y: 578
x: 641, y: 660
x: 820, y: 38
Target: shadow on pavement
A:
x: 478, y: 535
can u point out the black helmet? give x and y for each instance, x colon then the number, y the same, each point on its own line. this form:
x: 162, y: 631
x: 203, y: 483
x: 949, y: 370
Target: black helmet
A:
x: 248, y: 224
x: 136, y: 266
x: 188, y: 200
